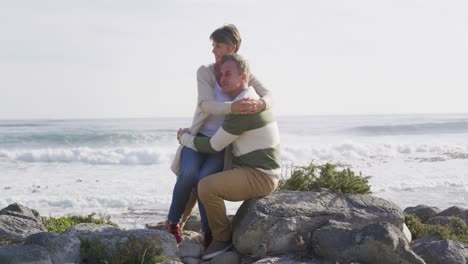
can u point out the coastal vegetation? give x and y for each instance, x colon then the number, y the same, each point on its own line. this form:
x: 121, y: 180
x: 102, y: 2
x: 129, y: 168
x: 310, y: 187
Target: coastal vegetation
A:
x: 456, y: 230
x: 317, y: 176
x: 59, y: 225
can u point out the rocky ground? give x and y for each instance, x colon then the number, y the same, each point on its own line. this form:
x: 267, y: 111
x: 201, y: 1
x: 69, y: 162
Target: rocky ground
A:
x: 286, y: 227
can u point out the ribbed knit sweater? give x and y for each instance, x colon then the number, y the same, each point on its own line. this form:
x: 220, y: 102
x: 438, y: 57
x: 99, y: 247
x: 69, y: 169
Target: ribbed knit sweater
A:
x: 254, y: 138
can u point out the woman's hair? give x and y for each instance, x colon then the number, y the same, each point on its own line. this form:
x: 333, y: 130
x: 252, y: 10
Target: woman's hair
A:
x: 227, y: 34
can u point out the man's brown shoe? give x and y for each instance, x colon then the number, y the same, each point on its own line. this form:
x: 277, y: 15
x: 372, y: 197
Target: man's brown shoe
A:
x: 216, y: 248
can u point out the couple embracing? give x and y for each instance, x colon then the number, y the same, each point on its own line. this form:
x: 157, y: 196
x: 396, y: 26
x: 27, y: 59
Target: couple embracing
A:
x: 231, y: 151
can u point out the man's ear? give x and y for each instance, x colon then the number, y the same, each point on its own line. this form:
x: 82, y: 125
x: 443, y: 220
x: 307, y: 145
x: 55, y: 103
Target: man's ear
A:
x: 244, y: 77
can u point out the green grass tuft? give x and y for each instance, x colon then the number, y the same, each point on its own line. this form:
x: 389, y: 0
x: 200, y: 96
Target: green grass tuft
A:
x: 59, y: 225
x: 314, y: 177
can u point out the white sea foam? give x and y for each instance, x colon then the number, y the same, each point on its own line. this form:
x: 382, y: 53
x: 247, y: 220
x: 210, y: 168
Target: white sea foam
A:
x: 96, y: 156
x: 121, y: 167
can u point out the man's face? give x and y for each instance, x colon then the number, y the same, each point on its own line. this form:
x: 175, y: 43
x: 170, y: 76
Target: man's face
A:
x: 230, y: 79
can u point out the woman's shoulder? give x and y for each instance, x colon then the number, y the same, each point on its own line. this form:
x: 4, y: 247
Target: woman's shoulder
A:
x: 206, y: 69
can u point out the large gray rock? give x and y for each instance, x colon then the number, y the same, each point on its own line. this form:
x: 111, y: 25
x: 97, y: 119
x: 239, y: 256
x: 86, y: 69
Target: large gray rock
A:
x: 164, y: 241
x: 113, y: 243
x: 424, y: 239
x: 441, y: 251
x: 24, y: 254
x: 423, y: 212
x: 61, y: 248
x: 191, y: 246
x: 375, y: 243
x: 18, y: 210
x: 284, y: 222
x: 230, y: 257
x: 191, y: 260
x: 14, y: 230
x: 456, y: 212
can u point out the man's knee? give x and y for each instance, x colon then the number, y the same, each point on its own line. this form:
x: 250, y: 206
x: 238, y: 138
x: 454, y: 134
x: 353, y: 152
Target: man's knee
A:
x: 206, y: 187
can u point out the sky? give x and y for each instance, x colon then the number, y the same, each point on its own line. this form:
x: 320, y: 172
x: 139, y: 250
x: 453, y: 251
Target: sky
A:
x: 120, y: 59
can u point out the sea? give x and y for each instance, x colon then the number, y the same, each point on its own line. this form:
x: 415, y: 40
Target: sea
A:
x: 120, y: 167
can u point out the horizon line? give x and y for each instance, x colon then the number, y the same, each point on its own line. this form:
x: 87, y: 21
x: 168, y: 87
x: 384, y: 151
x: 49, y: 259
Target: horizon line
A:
x: 179, y: 117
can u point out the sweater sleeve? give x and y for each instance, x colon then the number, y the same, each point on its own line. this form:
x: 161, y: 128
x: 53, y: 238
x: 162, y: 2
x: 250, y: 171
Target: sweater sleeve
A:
x: 206, y: 100
x: 261, y: 90
x: 233, y: 126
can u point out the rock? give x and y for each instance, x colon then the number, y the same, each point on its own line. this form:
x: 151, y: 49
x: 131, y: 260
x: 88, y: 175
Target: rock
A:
x: 407, y: 233
x: 193, y: 223
x: 284, y: 221
x: 165, y: 241
x: 375, y: 243
x: 442, y: 252
x: 21, y: 254
x: 230, y: 257
x: 191, y: 260
x: 17, y: 210
x: 113, y: 242
x: 192, y: 237
x: 443, y: 220
x: 61, y: 248
x: 288, y: 259
x: 457, y: 212
x: 14, y: 230
x: 424, y: 239
x: 191, y: 245
x: 423, y: 212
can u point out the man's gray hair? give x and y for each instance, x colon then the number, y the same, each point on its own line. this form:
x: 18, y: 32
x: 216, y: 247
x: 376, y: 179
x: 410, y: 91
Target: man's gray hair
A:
x: 241, y: 63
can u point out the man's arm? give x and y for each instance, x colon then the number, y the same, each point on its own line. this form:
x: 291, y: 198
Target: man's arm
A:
x: 233, y: 126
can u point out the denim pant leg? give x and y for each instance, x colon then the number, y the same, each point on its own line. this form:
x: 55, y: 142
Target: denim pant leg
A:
x: 214, y: 163
x: 186, y: 181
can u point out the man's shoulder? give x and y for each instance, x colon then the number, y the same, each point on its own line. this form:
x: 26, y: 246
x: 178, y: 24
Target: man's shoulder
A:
x: 248, y: 122
x: 248, y: 92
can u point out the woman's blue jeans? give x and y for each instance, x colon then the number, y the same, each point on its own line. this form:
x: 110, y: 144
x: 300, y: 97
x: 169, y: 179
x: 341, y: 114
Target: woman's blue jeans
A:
x: 195, y: 166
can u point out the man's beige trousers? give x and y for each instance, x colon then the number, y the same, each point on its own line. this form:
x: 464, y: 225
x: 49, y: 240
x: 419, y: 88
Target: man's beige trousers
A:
x: 237, y: 184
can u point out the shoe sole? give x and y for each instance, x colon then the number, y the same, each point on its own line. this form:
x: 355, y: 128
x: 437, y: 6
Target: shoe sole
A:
x: 217, y: 253
x: 156, y: 226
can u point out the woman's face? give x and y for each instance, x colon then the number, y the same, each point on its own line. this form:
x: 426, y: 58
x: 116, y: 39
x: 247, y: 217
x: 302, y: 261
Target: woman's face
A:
x: 221, y: 49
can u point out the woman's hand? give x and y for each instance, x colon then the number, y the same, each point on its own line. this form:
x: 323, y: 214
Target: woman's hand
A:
x: 247, y: 106
x: 181, y: 132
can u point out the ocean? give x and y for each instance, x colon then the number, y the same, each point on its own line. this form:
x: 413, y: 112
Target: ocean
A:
x: 120, y: 167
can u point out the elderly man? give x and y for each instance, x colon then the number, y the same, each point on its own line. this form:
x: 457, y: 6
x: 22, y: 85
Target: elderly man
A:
x: 256, y: 156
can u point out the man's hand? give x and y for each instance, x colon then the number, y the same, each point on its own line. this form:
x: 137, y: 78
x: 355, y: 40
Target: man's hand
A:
x: 181, y: 132
x: 247, y: 106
